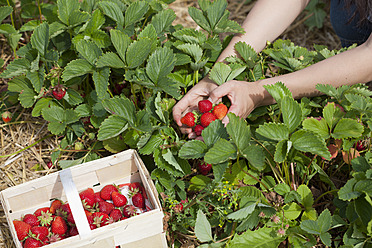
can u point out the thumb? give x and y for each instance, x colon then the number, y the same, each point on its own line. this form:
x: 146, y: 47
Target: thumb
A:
x: 233, y: 109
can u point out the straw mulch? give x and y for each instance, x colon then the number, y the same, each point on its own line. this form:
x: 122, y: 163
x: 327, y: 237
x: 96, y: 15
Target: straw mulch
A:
x: 21, y: 150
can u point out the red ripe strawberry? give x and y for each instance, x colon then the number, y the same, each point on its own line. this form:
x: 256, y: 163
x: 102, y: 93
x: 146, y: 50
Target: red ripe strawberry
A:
x: 220, y: 111
x: 107, y: 190
x: 90, y: 219
x: 32, y: 243
x: 207, y: 118
x: 38, y: 212
x: 70, y: 219
x: 118, y: 199
x: 105, y: 207
x: 7, y: 116
x: 138, y: 200
x: 129, y: 211
x: 54, y: 237
x: 87, y: 198
x: 59, y: 91
x: 73, y: 231
x: 115, y: 215
x: 44, y: 215
x: 360, y: 145
x: 204, y: 168
x: 22, y: 229
x: 97, y: 197
x: 189, y: 119
x: 100, y: 219
x: 64, y: 210
x: 59, y: 226
x: 50, y: 164
x: 31, y: 219
x: 139, y: 186
x: 56, y: 204
x: 205, y: 106
x: 40, y: 232
x: 198, y: 129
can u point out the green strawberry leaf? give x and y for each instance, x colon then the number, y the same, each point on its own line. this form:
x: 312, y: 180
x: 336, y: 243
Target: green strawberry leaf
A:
x: 112, y: 10
x: 255, y: 156
x: 247, y: 53
x: 163, y: 20
x: 214, y: 132
x: 222, y: 151
x: 239, y: 131
x: 278, y: 91
x: 292, y: 114
x: 317, y: 126
x: 203, y: 230
x: 193, y: 149
x: 273, y: 131
x: 16, y: 68
x: 332, y: 114
x: 137, y: 52
x: 110, y: 59
x: 101, y: 81
x: 307, y: 141
x: 347, y: 128
x: 65, y: 9
x: 198, y: 16
x: 89, y: 51
x: 259, y: 238
x: 112, y: 127
x: 160, y: 64
x: 135, y: 12
x: 76, y: 68
x: 5, y: 11
x: 122, y: 107
x: 40, y: 38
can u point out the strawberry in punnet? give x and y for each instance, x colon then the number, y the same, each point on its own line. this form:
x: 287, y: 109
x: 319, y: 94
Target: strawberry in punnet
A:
x: 100, y: 219
x: 70, y: 219
x: 97, y: 197
x: 107, y: 190
x: 31, y: 219
x: 88, y: 198
x: 40, y: 233
x: 204, y: 168
x: 22, y: 229
x: 105, y: 207
x: 205, y: 106
x: 220, y: 111
x: 64, y: 210
x: 115, y: 215
x: 56, y: 204
x: 59, y: 226
x: 129, y: 211
x: 59, y: 91
x: 138, y: 200
x: 73, y: 231
x: 207, y: 118
x: 198, y: 129
x: 6, y: 116
x: 118, y: 199
x: 53, y: 237
x: 189, y: 119
x: 139, y: 186
x: 44, y: 215
x: 32, y: 243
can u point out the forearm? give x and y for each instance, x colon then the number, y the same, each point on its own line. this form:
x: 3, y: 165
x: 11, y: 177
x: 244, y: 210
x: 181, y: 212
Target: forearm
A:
x: 265, y: 22
x: 348, y: 68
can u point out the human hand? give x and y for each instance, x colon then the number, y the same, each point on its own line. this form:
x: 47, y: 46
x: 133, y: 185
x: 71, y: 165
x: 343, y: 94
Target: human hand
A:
x: 244, y: 97
x: 190, y: 102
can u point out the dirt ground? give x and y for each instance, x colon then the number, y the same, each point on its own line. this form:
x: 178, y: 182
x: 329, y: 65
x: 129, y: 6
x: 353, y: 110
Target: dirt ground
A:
x: 18, y: 151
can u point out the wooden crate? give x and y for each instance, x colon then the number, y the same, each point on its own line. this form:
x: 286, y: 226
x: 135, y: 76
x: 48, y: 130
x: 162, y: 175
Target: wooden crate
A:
x: 119, y: 169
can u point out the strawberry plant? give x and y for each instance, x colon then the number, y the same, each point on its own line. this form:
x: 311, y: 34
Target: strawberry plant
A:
x: 105, y: 75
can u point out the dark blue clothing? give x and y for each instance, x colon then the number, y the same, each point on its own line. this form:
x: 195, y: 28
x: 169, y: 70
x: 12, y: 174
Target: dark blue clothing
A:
x: 348, y: 32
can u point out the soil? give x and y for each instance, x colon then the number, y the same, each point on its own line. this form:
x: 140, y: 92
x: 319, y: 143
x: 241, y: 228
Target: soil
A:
x: 18, y: 162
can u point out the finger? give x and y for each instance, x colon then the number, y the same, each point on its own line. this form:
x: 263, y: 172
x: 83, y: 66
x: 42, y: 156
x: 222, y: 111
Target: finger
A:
x: 219, y: 92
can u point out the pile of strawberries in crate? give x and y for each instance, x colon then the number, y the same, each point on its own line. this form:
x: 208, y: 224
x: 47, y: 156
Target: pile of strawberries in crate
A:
x: 207, y: 113
x: 111, y: 204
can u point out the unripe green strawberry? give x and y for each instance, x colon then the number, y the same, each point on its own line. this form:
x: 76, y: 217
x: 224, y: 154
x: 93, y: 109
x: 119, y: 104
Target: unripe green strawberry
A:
x: 220, y: 111
x: 189, y: 119
x: 207, y: 118
x: 205, y: 106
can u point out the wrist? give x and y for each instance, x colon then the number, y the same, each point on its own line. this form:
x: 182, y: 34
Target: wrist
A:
x: 261, y: 97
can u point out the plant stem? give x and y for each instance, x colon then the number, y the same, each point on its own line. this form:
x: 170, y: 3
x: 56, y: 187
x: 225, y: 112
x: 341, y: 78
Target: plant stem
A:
x: 325, y: 193
x: 40, y: 15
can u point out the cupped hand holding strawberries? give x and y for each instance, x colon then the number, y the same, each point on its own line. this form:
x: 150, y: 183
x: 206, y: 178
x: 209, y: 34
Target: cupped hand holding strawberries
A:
x: 244, y: 98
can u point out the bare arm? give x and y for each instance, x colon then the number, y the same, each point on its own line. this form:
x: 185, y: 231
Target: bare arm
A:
x: 265, y: 22
x: 348, y: 68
